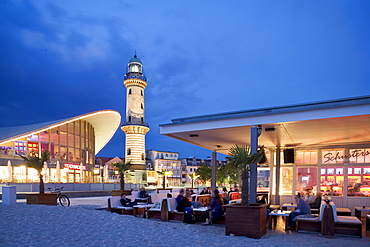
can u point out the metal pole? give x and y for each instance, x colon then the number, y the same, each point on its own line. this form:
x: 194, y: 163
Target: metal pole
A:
x: 214, y: 168
x: 277, y: 177
x: 253, y: 172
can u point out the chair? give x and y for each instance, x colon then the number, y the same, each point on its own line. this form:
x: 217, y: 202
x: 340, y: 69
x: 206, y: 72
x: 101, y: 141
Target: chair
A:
x: 234, y: 195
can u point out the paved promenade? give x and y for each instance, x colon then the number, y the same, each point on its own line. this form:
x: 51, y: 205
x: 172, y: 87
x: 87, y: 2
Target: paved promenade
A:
x: 83, y: 225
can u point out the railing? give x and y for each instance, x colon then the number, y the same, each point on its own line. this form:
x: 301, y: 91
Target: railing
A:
x: 132, y: 123
x: 136, y: 76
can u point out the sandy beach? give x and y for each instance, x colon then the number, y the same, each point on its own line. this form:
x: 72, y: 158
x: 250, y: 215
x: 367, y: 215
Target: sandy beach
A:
x: 83, y: 225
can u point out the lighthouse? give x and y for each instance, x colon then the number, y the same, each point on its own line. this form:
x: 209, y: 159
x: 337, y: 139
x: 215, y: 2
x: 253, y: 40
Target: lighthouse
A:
x: 135, y: 127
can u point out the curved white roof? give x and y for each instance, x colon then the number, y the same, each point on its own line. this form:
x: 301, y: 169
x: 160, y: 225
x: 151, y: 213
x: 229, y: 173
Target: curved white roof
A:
x: 105, y: 123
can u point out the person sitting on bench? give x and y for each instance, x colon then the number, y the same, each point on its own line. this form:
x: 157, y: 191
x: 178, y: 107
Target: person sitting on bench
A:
x: 302, y: 208
x: 126, y: 202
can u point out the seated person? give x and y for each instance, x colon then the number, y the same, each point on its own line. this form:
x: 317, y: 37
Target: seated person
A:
x: 143, y: 193
x: 316, y: 204
x: 216, y: 208
x: 180, y: 196
x: 204, y: 191
x: 185, y: 206
x: 302, y: 208
x: 309, y: 197
x: 225, y: 195
x: 192, y: 192
x: 126, y: 202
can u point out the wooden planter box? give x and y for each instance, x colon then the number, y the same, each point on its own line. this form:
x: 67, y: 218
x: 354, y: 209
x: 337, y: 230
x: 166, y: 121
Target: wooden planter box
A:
x: 43, y: 199
x: 249, y: 221
x: 118, y: 192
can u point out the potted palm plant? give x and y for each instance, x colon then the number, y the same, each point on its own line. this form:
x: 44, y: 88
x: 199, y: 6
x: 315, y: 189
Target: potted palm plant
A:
x: 121, y: 167
x: 38, y: 163
x: 245, y: 219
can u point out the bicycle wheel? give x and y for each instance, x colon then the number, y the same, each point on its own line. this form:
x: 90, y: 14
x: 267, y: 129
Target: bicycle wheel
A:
x: 64, y: 201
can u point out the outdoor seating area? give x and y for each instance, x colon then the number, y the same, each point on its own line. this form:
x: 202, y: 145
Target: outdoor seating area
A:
x: 328, y: 220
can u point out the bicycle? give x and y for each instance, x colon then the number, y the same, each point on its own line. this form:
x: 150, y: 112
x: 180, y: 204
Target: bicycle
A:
x: 63, y: 199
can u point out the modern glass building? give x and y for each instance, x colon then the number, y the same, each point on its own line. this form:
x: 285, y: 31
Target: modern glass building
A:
x: 73, y: 144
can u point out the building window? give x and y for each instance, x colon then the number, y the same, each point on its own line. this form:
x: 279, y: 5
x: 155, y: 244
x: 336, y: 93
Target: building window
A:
x: 286, y: 180
x: 130, y: 91
x: 333, y: 156
x: 142, y: 106
x: 142, y: 156
x: 306, y: 157
x: 141, y: 92
x: 128, y: 151
x: 359, y: 155
x: 142, y: 120
x: 306, y: 178
x: 358, y: 181
x: 331, y: 181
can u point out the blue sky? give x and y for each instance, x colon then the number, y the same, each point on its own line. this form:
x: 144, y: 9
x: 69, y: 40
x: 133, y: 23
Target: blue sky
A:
x: 61, y: 59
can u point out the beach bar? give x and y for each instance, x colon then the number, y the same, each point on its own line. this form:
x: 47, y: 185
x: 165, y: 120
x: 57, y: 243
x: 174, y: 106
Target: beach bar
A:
x: 321, y: 146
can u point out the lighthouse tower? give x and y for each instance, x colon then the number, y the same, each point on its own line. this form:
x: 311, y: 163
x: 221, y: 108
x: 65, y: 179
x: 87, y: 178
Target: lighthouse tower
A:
x: 135, y: 126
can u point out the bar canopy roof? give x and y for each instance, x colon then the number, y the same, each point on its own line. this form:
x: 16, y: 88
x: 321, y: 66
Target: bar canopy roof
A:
x: 339, y: 122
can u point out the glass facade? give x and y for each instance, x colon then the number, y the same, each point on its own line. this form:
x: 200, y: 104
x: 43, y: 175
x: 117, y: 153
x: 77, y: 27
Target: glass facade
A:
x: 72, y: 155
x: 331, y: 171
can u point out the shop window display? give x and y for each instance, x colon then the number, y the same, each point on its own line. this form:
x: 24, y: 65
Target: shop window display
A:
x: 306, y: 179
x: 358, y: 181
x: 286, y: 180
x: 331, y: 182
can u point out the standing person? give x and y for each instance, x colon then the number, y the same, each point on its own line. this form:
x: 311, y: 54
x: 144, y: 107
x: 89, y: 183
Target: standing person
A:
x: 216, y: 208
x: 302, y: 208
x: 185, y: 206
x: 208, y: 190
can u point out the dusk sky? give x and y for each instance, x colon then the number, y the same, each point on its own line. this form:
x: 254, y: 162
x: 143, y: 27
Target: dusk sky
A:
x: 62, y: 59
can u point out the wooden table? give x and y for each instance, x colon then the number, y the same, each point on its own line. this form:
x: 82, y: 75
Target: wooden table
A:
x: 358, y: 211
x: 273, y: 215
x: 291, y: 206
x: 344, y: 211
x: 144, y: 209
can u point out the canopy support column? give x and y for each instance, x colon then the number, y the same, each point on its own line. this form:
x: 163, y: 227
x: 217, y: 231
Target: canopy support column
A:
x: 214, y: 169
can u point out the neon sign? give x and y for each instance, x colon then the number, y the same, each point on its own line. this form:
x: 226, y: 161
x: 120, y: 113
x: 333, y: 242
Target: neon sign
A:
x: 74, y: 166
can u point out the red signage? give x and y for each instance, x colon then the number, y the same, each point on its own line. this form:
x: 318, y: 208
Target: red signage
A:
x: 74, y: 166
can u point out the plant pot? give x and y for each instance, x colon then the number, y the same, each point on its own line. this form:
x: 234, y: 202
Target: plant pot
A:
x: 43, y: 199
x: 118, y: 192
x: 249, y: 221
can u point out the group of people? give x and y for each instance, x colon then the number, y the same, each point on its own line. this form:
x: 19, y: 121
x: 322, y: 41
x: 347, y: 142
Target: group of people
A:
x: 186, y: 204
x: 126, y: 202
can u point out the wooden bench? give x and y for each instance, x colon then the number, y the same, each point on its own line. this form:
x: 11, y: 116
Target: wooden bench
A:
x: 115, y: 206
x: 346, y: 225
x: 311, y: 224
x: 156, y: 212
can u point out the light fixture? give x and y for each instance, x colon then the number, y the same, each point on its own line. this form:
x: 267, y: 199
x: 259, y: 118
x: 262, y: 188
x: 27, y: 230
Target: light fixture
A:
x: 193, y: 135
x: 218, y: 146
x: 270, y: 129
